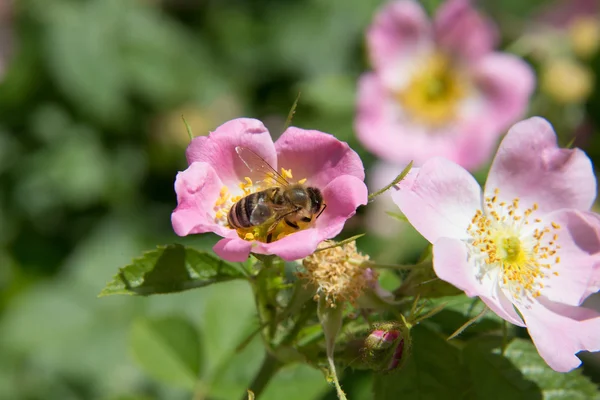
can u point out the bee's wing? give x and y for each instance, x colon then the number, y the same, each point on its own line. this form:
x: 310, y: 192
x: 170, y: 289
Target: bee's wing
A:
x: 256, y: 163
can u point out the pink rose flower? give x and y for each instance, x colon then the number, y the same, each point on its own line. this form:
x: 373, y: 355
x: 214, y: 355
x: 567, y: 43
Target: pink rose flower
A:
x: 438, y: 88
x: 529, y: 242
x: 217, y: 177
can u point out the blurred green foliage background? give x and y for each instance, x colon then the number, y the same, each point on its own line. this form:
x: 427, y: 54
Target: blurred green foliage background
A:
x: 91, y: 138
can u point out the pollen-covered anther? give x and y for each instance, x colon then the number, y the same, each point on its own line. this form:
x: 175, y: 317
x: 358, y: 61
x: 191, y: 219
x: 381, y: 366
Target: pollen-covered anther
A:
x: 500, y: 240
x: 338, y: 272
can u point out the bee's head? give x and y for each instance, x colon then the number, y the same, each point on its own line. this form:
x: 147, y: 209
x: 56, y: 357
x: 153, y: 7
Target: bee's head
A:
x: 316, y: 199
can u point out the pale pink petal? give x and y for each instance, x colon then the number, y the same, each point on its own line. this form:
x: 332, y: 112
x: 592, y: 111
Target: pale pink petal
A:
x: 461, y: 30
x: 505, y: 83
x: 399, y: 33
x: 233, y: 249
x: 560, y: 331
x: 530, y: 166
x: 475, y: 142
x: 588, y: 241
x: 383, y: 129
x: 342, y: 196
x: 197, y: 190
x: 451, y: 264
x: 319, y: 157
x: 377, y: 221
x: 218, y: 149
x: 579, y: 251
x: 439, y: 199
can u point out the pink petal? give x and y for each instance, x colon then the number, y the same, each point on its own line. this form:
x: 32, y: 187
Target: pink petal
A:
x: 197, y: 190
x: 451, y: 264
x: 377, y: 220
x: 292, y: 247
x: 342, y: 196
x: 506, y: 83
x: 233, y: 249
x: 560, y: 331
x: 579, y: 252
x: 399, y: 32
x: 317, y: 156
x: 530, y: 166
x: 439, y: 199
x: 385, y: 131
x: 589, y: 240
x: 218, y: 149
x: 460, y: 29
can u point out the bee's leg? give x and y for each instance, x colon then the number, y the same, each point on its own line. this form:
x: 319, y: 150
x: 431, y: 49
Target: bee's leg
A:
x: 272, y: 228
x: 322, y: 209
x: 291, y: 224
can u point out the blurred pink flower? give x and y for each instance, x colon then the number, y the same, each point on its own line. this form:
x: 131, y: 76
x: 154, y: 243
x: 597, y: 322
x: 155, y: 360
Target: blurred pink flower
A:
x: 217, y: 177
x: 438, y: 88
x: 529, y: 242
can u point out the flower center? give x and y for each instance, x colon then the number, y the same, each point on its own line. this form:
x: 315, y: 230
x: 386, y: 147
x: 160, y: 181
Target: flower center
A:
x: 228, y: 198
x: 433, y: 95
x: 507, y: 243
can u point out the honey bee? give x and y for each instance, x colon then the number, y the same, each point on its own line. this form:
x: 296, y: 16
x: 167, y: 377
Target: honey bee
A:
x: 288, y: 202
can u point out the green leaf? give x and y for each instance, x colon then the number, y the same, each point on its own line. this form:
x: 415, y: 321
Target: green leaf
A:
x: 494, y: 376
x: 168, y: 269
x: 572, y: 386
x: 167, y: 349
x: 457, y: 311
x: 433, y: 372
x: 425, y: 283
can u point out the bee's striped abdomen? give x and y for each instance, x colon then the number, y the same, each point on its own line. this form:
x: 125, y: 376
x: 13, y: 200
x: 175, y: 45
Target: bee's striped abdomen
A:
x: 249, y: 211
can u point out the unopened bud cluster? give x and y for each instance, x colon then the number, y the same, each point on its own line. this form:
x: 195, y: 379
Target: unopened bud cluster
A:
x: 386, y: 347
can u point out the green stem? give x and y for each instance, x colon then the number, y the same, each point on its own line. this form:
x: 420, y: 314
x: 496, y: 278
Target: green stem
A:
x: 394, y: 182
x: 372, y: 264
x: 268, y: 369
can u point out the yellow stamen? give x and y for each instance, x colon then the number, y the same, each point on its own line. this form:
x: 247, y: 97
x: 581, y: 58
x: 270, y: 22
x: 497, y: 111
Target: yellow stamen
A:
x: 286, y: 173
x: 497, y: 241
x: 432, y: 97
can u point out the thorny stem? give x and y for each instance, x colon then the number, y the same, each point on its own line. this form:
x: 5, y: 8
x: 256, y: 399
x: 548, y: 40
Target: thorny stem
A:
x: 404, y: 172
x: 469, y: 323
x: 268, y: 369
x: 340, y: 393
x: 372, y: 264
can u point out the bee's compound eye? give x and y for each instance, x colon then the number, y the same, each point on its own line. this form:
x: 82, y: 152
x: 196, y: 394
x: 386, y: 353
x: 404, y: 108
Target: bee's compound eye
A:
x: 316, y: 197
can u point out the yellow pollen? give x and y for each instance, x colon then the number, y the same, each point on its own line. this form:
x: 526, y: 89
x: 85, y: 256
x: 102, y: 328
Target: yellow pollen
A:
x: 302, y: 181
x: 433, y: 94
x: 286, y: 173
x: 248, y: 236
x: 497, y: 241
x: 246, y: 185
